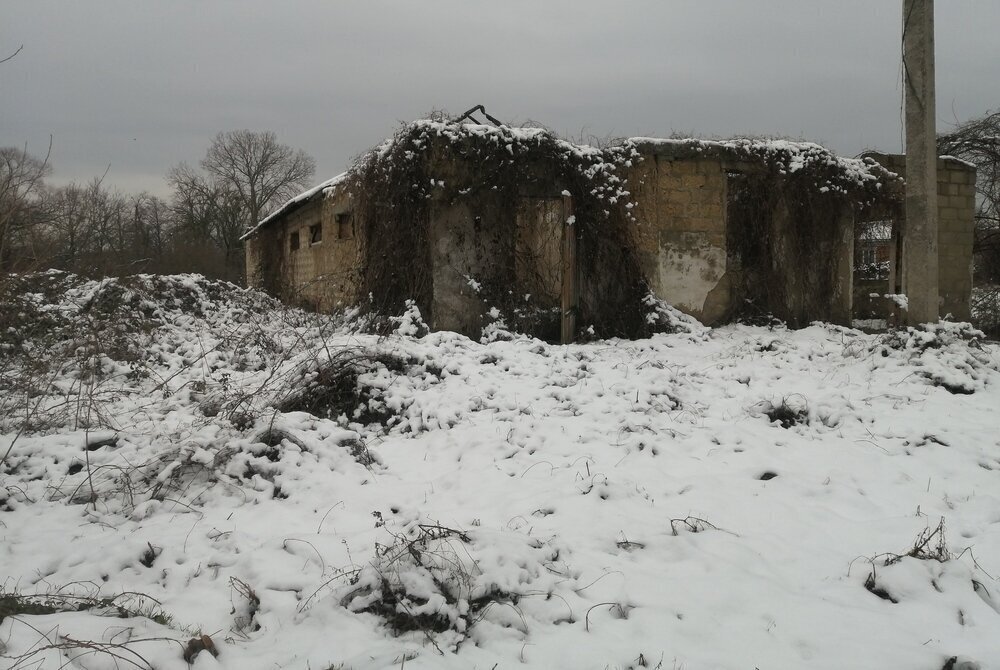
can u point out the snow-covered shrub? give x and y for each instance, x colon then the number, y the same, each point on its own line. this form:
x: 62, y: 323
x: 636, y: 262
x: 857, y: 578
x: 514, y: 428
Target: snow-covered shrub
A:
x: 928, y: 571
x: 96, y: 337
x: 344, y: 384
x: 410, y: 323
x: 524, y: 322
x: 662, y: 317
x: 789, y: 411
x: 176, y: 473
x: 59, y: 314
x: 433, y: 579
x: 933, y: 336
x: 496, y: 330
x: 521, y: 321
x: 948, y: 355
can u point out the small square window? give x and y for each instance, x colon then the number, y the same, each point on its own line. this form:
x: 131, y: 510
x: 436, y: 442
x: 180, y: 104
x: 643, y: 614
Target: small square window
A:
x: 315, y: 234
x: 294, y: 241
x: 345, y: 226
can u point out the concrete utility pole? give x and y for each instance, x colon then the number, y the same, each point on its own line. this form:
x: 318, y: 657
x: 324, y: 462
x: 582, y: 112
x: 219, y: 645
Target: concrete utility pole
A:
x: 920, y: 236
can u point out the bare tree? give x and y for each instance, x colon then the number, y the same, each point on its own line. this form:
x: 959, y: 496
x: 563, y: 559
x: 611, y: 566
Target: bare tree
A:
x: 150, y: 226
x: 210, y: 210
x: 21, y: 180
x: 90, y: 229
x: 193, y: 202
x: 263, y: 172
x: 68, y: 225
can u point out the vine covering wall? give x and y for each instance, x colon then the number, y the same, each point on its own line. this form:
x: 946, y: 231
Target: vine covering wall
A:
x: 458, y: 217
x: 492, y: 175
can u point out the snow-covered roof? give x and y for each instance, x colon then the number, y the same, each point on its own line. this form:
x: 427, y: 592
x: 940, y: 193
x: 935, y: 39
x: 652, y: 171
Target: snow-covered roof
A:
x: 296, y: 202
x: 505, y: 134
x: 899, y: 160
x: 960, y: 161
x: 791, y: 156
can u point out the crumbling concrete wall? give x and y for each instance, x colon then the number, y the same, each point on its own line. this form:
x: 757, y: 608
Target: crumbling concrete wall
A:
x: 480, y: 245
x: 469, y: 249
x: 264, y: 258
x: 320, y: 275
x: 956, y: 228
x: 672, y: 229
x: 956, y: 233
x: 304, y: 262
x: 810, y: 266
x: 681, y: 230
x: 458, y: 253
x: 538, y: 254
x: 787, y: 252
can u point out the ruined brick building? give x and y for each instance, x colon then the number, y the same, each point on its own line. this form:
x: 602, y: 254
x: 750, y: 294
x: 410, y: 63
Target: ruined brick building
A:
x: 478, y: 223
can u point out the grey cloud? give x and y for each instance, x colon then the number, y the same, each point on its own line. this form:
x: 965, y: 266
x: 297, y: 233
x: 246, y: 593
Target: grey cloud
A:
x: 143, y: 86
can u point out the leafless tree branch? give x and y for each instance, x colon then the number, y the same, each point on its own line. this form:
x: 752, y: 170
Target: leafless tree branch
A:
x: 13, y: 54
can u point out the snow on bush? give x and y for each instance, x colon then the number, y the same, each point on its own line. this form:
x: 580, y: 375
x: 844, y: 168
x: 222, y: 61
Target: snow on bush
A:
x: 958, y: 363
x: 410, y: 323
x: 663, y: 317
x: 432, y: 579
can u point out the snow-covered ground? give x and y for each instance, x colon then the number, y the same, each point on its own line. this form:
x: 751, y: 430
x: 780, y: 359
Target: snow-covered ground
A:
x: 618, y: 504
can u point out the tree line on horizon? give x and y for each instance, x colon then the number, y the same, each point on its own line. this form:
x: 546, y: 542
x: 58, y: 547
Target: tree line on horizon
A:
x: 96, y: 230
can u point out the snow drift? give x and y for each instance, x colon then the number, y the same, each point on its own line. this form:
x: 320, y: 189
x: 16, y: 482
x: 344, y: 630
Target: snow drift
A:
x: 193, y: 474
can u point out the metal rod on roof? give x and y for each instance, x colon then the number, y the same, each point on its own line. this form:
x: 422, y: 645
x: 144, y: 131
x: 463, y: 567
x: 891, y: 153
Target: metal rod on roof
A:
x: 482, y: 109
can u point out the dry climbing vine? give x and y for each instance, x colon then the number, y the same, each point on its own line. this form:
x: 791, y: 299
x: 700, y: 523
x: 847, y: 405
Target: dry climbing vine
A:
x: 494, y: 171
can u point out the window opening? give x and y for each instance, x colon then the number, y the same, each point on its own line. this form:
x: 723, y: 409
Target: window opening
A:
x: 345, y: 226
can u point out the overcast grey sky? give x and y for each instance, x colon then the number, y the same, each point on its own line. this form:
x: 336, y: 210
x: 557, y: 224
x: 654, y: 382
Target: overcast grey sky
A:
x: 144, y: 85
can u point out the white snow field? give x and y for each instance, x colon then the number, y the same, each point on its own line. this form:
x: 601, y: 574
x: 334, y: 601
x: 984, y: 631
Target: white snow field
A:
x: 186, y: 458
